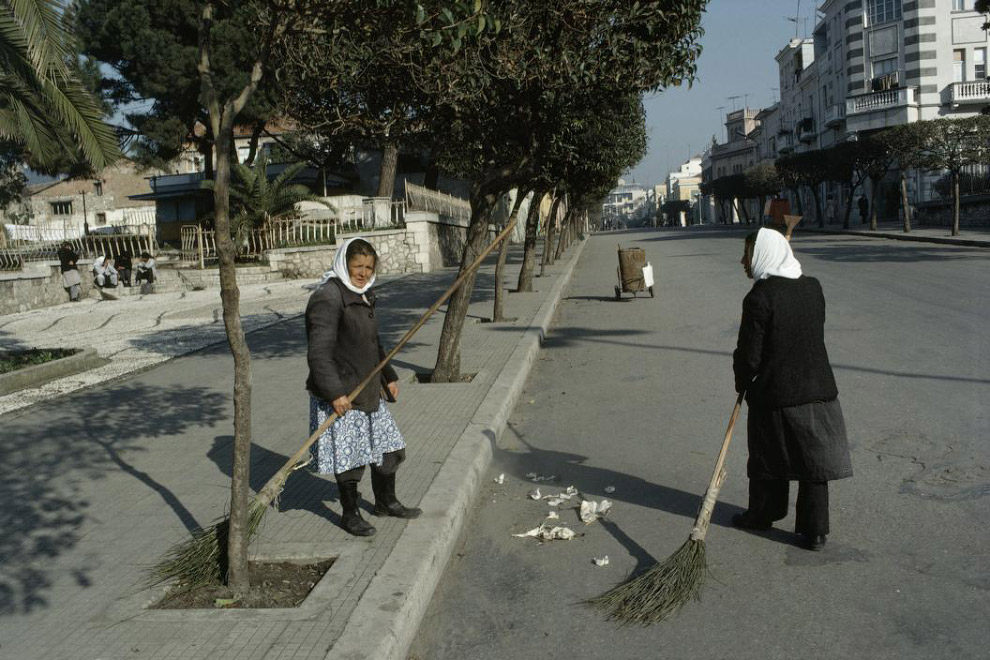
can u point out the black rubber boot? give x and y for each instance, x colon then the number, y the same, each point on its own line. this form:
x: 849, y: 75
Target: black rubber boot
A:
x: 386, y: 503
x: 351, y: 520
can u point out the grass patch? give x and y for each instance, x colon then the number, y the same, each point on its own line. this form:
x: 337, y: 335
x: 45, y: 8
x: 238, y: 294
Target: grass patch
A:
x: 14, y: 360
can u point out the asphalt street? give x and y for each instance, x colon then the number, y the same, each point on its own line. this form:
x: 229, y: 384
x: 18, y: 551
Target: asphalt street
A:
x: 635, y: 394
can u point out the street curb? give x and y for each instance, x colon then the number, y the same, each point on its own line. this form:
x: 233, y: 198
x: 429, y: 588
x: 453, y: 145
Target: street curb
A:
x: 41, y: 374
x: 968, y: 242
x: 386, y: 619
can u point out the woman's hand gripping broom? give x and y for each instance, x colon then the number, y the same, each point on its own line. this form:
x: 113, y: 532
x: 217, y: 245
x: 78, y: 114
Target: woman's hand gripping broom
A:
x: 665, y: 588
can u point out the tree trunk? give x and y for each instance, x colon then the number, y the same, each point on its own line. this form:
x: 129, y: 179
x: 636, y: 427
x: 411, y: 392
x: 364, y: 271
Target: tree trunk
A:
x: 550, y: 235
x: 741, y: 209
x: 905, y: 204
x: 849, y: 206
x: 432, y: 177
x: 955, y: 203
x: 259, y: 126
x: 529, y: 246
x: 386, y: 179
x: 564, y: 240
x: 816, y: 195
x: 448, y: 366
x: 503, y: 251
x: 206, y: 150
x: 237, y: 543
x: 874, y: 193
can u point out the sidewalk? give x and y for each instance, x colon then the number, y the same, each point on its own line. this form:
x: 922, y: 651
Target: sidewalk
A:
x: 968, y: 236
x: 100, y: 482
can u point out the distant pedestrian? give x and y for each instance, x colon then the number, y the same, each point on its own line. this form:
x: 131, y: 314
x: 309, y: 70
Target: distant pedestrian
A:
x: 146, y: 270
x: 104, y: 274
x: 830, y: 210
x: 343, y: 347
x: 123, y: 265
x: 71, y: 281
x: 864, y: 209
x: 796, y: 430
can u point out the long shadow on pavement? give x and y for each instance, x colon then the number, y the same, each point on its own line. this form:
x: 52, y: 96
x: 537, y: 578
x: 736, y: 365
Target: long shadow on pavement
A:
x: 47, y: 468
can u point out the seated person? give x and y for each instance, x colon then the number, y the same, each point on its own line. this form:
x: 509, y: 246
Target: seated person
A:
x: 145, y: 269
x: 104, y: 274
x: 123, y: 266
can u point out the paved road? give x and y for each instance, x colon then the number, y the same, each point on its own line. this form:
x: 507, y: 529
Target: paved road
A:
x: 635, y: 395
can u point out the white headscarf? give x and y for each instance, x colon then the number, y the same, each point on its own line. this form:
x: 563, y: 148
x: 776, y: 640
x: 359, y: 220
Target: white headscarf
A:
x: 772, y: 256
x: 98, y: 263
x: 339, y: 268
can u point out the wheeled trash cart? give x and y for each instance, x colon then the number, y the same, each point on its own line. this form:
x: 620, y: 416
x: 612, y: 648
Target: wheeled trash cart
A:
x: 635, y: 273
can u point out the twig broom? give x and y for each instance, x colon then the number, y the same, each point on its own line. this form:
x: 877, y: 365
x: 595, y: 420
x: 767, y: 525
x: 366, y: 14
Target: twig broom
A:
x: 665, y: 588
x: 201, y: 560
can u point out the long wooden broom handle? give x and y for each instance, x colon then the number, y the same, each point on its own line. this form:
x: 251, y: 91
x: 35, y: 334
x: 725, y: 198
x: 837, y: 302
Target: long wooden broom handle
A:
x: 267, y: 494
x: 718, y: 476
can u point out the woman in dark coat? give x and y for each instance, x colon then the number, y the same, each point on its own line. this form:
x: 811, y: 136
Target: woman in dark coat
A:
x: 343, y: 347
x: 795, y: 426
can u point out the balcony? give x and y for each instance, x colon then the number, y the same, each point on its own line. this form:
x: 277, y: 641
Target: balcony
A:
x: 890, y: 99
x: 962, y: 93
x: 806, y: 129
x: 835, y: 115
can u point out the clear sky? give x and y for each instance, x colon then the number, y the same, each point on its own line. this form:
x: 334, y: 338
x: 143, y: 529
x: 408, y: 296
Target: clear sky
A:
x: 741, y: 39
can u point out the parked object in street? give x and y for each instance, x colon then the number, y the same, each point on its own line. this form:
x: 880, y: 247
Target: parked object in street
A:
x: 634, y: 272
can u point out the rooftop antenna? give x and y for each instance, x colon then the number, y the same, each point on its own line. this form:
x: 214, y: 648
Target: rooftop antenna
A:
x: 774, y: 90
x: 721, y: 116
x: 733, y: 99
x: 796, y: 20
x: 746, y: 100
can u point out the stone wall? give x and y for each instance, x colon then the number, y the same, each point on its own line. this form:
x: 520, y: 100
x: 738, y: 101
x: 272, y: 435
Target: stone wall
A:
x: 974, y: 211
x: 38, y: 285
x: 302, y: 263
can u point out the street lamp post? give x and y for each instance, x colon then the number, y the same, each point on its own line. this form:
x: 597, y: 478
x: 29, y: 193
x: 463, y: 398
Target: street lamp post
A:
x: 85, y: 217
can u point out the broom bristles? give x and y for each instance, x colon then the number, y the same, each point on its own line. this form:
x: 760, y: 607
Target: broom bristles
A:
x: 659, y: 592
x: 201, y: 560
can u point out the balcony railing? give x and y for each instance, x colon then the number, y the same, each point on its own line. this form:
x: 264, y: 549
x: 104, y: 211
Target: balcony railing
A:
x: 785, y: 143
x: 835, y: 114
x: 970, y: 92
x: 806, y: 129
x: 892, y: 98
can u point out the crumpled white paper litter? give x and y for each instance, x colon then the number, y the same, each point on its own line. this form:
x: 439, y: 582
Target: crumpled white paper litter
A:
x: 601, y: 561
x: 535, y: 495
x: 500, y: 479
x: 548, y: 533
x: 591, y: 510
x: 609, y: 489
x: 532, y: 476
x: 554, y: 501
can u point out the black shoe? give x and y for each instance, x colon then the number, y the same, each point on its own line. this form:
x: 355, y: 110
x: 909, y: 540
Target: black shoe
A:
x: 746, y: 520
x: 814, y: 542
x: 386, y: 503
x: 351, y: 520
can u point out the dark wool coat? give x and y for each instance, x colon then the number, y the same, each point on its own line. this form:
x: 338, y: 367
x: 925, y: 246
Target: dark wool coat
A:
x: 796, y: 428
x: 67, y: 259
x: 343, y: 345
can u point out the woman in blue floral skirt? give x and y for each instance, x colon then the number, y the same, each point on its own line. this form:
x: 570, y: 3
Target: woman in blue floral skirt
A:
x: 343, y: 347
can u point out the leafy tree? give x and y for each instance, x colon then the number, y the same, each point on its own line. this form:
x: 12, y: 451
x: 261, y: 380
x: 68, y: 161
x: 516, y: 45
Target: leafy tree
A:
x: 906, y: 143
x: 44, y: 107
x: 762, y: 181
x: 607, y: 44
x: 12, y: 179
x: 952, y: 144
x: 843, y: 161
x: 152, y: 46
x: 812, y: 171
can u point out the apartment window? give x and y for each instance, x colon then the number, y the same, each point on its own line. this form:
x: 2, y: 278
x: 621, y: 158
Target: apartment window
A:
x: 98, y: 188
x: 980, y: 63
x: 959, y: 65
x: 881, y: 11
x: 883, y: 67
x: 61, y: 208
x: 101, y: 219
x: 962, y: 5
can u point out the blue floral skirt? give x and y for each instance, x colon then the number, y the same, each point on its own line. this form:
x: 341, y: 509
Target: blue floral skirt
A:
x: 358, y: 438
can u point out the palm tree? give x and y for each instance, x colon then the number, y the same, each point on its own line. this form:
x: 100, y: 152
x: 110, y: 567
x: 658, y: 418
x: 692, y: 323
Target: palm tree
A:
x: 44, y: 108
x: 255, y: 200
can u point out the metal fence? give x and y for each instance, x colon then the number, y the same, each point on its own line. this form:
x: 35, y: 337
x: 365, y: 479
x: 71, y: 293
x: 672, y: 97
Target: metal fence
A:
x: 973, y: 180
x: 198, y: 244
x: 423, y: 199
x: 87, y: 247
x: 10, y: 260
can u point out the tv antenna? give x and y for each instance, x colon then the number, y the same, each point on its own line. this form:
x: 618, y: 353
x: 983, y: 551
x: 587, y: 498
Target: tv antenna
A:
x: 797, y: 19
x: 733, y: 99
x: 774, y: 90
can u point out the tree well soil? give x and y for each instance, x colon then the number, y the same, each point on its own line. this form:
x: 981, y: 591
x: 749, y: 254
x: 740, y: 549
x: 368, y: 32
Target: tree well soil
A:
x: 14, y: 360
x: 273, y: 585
